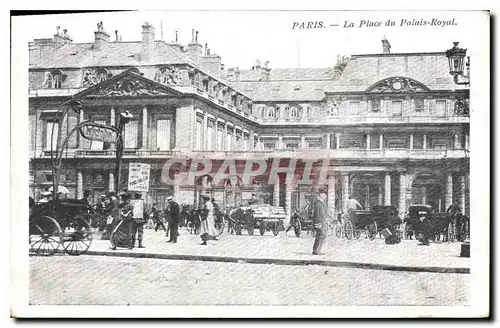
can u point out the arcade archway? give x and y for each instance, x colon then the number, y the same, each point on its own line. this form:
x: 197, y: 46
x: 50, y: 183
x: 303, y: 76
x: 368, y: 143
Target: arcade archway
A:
x: 427, y: 189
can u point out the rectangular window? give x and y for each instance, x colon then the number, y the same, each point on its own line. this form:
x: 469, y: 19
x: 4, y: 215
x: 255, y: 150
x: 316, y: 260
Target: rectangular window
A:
x: 220, y: 135
x: 97, y: 145
x: 163, y: 134
x: 315, y: 145
x: 131, y: 133
x: 238, y: 142
x: 291, y: 146
x: 269, y: 145
x: 354, y: 108
x: 197, y: 145
x: 396, y: 143
x: 440, y: 143
x: 229, y: 141
x: 419, y: 105
x: 210, y: 136
x: 397, y: 108
x: 440, y: 107
x: 50, y: 126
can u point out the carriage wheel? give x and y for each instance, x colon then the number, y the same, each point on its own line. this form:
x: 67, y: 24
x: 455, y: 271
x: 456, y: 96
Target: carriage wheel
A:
x: 338, y: 230
x: 220, y: 228
x: 77, y: 237
x: 450, y: 233
x: 276, y: 229
x: 262, y: 229
x: 372, y: 230
x: 297, y: 228
x: 45, y: 235
x: 250, y: 230
x: 348, y: 230
x: 237, y: 228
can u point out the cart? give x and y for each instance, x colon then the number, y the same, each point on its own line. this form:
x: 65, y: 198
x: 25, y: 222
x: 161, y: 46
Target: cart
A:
x: 269, y: 218
x: 370, y: 223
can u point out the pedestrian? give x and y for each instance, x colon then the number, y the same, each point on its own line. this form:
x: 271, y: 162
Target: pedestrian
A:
x: 158, y: 220
x: 208, y: 231
x: 86, y: 197
x: 353, y: 205
x: 424, y: 229
x: 124, y: 232
x: 174, y: 214
x: 320, y: 214
x: 139, y: 215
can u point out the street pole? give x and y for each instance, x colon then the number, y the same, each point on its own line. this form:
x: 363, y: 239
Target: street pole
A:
x: 124, y: 118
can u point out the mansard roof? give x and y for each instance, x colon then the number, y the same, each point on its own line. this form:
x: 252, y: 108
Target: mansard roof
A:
x: 363, y: 71
x: 290, y: 74
x: 285, y: 90
x: 77, y: 55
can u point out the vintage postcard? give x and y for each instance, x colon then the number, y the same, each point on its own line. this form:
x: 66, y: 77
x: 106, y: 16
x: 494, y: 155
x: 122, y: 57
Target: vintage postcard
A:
x: 251, y: 164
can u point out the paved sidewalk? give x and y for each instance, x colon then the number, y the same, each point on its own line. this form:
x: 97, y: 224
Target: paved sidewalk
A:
x: 286, y: 249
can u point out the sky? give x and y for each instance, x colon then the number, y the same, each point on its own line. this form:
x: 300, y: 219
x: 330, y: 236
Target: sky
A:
x: 242, y: 37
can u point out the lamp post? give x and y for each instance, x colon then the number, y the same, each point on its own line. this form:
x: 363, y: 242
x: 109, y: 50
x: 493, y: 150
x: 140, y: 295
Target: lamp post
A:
x: 124, y: 118
x: 456, y: 57
x: 56, y: 154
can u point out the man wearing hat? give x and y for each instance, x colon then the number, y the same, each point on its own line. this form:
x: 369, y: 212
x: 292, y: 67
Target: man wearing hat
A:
x: 174, y: 219
x: 139, y: 216
x: 320, y: 214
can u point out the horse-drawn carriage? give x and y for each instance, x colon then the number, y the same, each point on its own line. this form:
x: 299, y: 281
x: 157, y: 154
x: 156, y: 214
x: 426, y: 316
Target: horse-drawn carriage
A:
x: 302, y: 220
x: 192, y: 218
x: 65, y: 223
x: 371, y: 222
x: 262, y: 216
x: 422, y: 220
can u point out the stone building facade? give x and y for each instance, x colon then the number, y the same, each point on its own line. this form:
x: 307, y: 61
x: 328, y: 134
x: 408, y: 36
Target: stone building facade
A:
x: 392, y: 129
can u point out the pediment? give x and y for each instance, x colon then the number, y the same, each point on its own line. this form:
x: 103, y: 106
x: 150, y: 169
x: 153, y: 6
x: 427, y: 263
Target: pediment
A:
x: 397, y: 85
x: 128, y: 84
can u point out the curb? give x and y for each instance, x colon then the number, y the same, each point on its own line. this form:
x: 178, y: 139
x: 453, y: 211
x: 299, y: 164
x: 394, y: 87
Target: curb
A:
x: 210, y: 258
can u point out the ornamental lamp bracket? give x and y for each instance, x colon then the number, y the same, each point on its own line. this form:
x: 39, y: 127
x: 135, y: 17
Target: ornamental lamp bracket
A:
x: 456, y: 59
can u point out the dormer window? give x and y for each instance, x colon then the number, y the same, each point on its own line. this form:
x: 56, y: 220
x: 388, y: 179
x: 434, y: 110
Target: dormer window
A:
x: 294, y: 113
x: 54, y: 79
x: 102, y: 75
x: 271, y: 112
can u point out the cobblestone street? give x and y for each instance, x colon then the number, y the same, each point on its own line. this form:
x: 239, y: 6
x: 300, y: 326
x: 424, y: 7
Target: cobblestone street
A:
x: 95, y: 280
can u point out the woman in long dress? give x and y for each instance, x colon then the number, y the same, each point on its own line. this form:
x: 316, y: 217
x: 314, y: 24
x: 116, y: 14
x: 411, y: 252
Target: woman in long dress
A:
x: 123, y: 233
x: 208, y: 231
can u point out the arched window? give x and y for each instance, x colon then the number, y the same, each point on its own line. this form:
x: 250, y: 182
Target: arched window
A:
x: 271, y: 112
x: 102, y: 75
x: 316, y: 111
x: 54, y: 79
x: 294, y: 113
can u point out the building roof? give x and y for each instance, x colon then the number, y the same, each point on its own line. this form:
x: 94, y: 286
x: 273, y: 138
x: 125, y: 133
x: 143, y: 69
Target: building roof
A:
x: 285, y: 90
x: 362, y: 71
x: 111, y: 54
x: 290, y: 74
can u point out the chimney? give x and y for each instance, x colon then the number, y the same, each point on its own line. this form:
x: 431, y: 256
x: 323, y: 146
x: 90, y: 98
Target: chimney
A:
x: 101, y: 37
x: 265, y: 71
x: 148, y: 42
x: 211, y: 63
x: 386, y: 46
x: 61, y: 37
x: 195, y: 49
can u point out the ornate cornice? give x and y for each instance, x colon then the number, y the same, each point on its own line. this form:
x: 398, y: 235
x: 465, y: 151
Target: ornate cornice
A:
x: 397, y: 85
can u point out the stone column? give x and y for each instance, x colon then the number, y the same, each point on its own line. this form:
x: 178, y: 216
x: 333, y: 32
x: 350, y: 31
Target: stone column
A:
x: 387, y: 189
x: 381, y: 141
x: 79, y: 184
x: 276, y: 193
x: 328, y: 141
x: 251, y: 138
x: 380, y: 198
x: 368, y: 141
x: 424, y: 195
x: 112, y: 122
x: 39, y: 136
x: 337, y: 140
x: 280, y: 142
x: 145, y: 133
x: 204, y: 133
x: 234, y: 145
x: 456, y: 142
x: 402, y: 193
x: 331, y: 193
x: 466, y: 146
x: 411, y: 141
x: 461, y: 199
x: 424, y: 142
x: 224, y: 138
x: 288, y: 199
x: 449, y: 190
x: 345, y: 191
x: 111, y: 185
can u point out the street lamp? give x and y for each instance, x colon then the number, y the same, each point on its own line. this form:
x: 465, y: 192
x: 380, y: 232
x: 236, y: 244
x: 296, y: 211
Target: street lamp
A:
x: 456, y: 58
x: 124, y: 118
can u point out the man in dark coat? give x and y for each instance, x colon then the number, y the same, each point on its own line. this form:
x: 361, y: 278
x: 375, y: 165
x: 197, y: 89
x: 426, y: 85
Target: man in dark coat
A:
x: 320, y: 214
x: 174, y: 219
